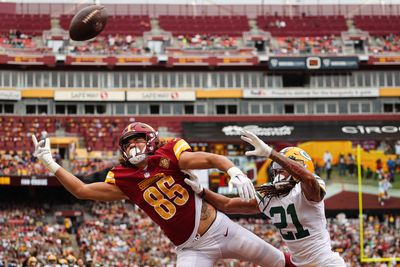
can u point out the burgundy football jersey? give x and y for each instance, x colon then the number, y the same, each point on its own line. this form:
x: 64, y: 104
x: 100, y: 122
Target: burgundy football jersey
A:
x: 160, y: 190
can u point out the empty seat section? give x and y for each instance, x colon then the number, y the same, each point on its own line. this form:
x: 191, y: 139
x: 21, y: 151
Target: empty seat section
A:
x: 31, y: 24
x: 378, y: 25
x: 204, y: 25
x: 302, y: 26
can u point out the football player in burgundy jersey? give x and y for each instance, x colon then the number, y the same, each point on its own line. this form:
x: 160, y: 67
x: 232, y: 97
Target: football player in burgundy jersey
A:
x: 151, y: 175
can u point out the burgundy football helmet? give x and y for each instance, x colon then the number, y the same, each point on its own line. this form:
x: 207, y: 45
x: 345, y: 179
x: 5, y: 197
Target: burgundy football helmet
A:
x: 138, y: 129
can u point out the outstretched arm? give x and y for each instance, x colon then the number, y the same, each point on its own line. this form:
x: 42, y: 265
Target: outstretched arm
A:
x: 309, y: 183
x: 220, y: 202
x: 231, y: 205
x: 99, y: 191
x: 96, y: 191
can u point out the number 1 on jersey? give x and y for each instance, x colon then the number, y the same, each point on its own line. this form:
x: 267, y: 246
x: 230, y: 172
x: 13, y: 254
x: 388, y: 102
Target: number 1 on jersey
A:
x: 291, y: 211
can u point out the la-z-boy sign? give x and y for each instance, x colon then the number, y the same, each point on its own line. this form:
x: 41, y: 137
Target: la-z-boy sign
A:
x: 293, y: 131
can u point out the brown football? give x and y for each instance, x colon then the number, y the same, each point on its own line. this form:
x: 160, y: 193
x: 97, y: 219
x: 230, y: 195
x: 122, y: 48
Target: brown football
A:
x: 88, y: 23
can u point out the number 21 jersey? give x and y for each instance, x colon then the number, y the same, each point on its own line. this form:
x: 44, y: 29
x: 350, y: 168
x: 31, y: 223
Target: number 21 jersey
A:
x: 302, y: 225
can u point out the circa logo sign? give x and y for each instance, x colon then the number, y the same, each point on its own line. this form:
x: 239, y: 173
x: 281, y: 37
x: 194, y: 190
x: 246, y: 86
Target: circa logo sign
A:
x: 360, y: 129
x: 260, y: 131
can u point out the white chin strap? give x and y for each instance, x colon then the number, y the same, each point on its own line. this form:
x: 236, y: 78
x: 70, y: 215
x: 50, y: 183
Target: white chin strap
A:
x: 136, y: 156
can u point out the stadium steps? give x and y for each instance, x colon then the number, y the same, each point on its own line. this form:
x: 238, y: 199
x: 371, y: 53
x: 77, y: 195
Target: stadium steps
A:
x: 74, y: 243
x: 55, y: 23
x: 154, y: 24
x: 350, y: 25
x: 253, y: 25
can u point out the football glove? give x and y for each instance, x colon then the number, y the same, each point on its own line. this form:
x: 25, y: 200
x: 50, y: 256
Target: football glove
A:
x: 260, y: 148
x: 193, y: 182
x: 43, y: 153
x: 243, y: 184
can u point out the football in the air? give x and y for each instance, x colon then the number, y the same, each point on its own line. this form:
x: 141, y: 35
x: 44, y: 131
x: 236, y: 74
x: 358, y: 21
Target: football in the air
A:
x: 88, y: 23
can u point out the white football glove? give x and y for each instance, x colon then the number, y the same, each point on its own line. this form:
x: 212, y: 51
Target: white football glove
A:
x: 260, y: 148
x: 243, y: 184
x: 43, y: 153
x: 193, y: 182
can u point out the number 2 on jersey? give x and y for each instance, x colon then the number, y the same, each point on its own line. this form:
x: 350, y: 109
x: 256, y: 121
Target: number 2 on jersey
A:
x: 163, y: 206
x: 291, y: 211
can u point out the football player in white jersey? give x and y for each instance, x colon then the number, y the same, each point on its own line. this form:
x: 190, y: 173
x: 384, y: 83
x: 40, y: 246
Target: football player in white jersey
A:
x: 293, y: 202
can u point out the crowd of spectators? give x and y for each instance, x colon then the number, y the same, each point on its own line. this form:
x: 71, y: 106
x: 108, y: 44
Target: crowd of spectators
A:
x: 206, y: 42
x: 16, y: 39
x: 106, y: 45
x: 23, y: 163
x: 119, y: 234
x: 307, y: 45
x: 384, y: 44
x: 27, y: 234
x: 89, y: 166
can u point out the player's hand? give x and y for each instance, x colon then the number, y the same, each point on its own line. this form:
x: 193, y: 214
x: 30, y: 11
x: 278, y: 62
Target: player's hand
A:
x: 43, y: 153
x: 260, y: 148
x: 243, y: 184
x: 193, y: 182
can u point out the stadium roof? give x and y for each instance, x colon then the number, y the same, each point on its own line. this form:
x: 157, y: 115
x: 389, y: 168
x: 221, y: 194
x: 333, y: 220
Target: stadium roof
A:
x: 218, y: 2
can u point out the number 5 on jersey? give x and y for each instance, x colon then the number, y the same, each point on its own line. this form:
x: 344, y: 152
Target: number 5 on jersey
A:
x: 175, y: 193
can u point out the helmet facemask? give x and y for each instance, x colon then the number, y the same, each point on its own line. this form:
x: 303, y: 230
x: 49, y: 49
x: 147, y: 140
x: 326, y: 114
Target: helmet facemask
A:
x: 283, y: 182
x: 137, y: 154
x: 280, y: 174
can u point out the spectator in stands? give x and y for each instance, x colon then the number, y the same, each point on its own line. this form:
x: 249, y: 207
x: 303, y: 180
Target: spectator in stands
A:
x: 32, y: 261
x: 327, y: 157
x: 379, y: 169
x: 146, y: 160
x: 351, y: 164
x: 295, y: 186
x: 384, y: 185
x: 328, y: 169
x: 342, y: 165
x: 391, y: 166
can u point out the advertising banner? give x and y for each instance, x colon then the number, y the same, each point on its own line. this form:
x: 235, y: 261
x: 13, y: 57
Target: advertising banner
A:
x: 339, y: 63
x: 189, y: 60
x: 161, y: 95
x: 287, y: 63
x: 26, y: 59
x: 89, y: 96
x: 384, y: 60
x: 34, y: 181
x: 10, y: 95
x: 86, y: 60
x: 135, y: 60
x: 313, y: 63
x: 311, y: 93
x: 235, y: 60
x: 292, y: 131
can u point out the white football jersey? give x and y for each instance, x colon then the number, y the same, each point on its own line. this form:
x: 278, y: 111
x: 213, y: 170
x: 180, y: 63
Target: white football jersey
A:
x: 302, y: 225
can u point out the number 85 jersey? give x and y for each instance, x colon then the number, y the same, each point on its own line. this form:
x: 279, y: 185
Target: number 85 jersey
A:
x: 302, y: 225
x: 160, y: 191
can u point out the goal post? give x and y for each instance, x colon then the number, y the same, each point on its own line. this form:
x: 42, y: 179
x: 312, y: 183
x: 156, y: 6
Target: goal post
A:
x: 360, y: 215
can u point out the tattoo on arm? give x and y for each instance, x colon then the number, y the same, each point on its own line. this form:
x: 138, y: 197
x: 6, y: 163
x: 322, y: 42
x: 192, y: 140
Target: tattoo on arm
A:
x: 294, y: 168
x: 205, y: 212
x: 309, y: 183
